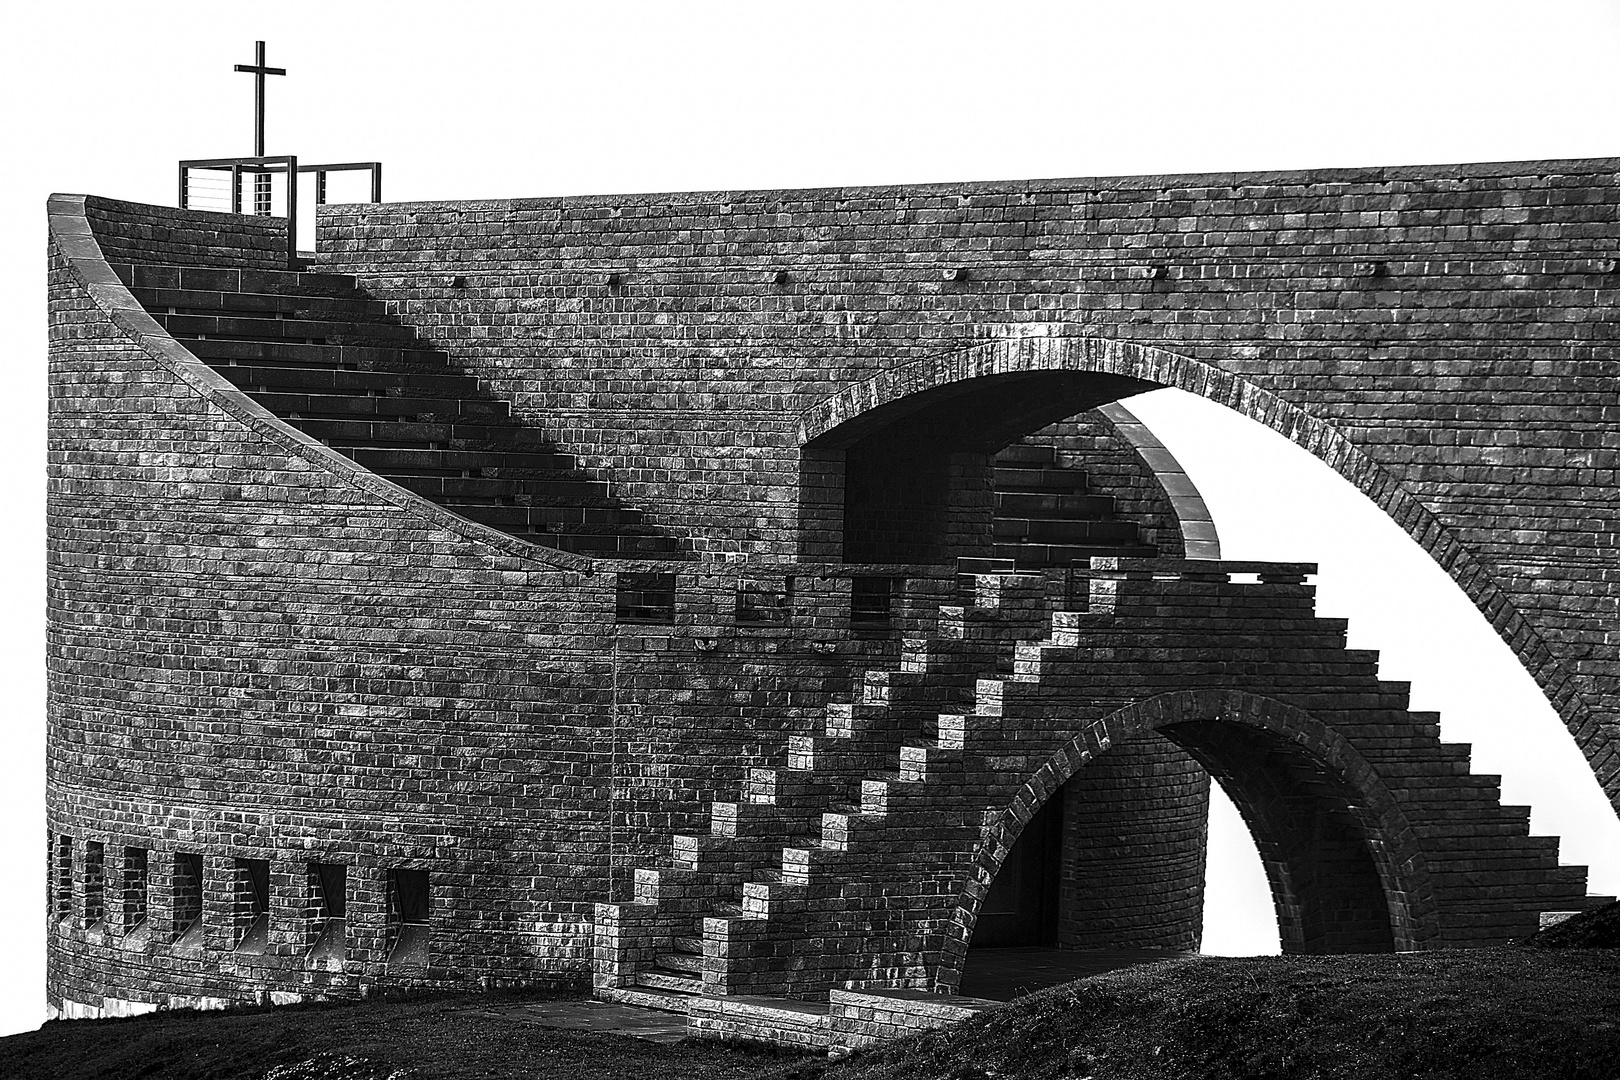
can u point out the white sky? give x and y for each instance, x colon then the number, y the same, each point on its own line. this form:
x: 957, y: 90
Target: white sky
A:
x: 492, y: 100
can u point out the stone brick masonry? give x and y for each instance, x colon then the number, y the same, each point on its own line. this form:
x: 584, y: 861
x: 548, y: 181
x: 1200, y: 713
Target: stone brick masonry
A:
x: 330, y: 710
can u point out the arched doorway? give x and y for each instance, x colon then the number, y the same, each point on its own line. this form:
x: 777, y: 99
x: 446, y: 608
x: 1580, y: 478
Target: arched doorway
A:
x: 1345, y: 871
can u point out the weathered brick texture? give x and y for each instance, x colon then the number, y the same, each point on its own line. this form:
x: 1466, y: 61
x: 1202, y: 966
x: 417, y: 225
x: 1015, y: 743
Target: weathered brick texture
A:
x: 1443, y: 336
x: 264, y: 655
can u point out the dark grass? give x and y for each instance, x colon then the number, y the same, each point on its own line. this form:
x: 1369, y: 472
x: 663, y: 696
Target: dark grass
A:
x: 1505, y: 1014
x: 427, y: 1037
x: 1595, y: 929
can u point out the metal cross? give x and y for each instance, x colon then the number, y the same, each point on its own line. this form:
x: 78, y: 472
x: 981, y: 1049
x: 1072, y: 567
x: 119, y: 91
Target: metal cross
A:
x: 259, y: 71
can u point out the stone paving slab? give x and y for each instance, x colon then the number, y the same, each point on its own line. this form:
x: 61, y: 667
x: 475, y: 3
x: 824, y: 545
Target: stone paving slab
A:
x: 609, y: 1017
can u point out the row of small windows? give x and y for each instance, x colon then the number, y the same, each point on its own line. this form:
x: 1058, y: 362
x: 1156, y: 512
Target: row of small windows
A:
x: 324, y: 897
x: 649, y: 599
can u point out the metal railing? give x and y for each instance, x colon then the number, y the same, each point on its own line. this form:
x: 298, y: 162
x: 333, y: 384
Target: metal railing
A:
x: 264, y: 170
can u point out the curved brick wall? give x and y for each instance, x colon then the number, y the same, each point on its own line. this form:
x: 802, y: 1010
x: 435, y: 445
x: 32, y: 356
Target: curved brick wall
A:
x: 1451, y: 325
x: 260, y: 651
x: 268, y: 659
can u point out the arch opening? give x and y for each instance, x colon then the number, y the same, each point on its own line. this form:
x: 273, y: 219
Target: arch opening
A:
x: 895, y: 468
x: 1345, y: 872
x: 911, y: 480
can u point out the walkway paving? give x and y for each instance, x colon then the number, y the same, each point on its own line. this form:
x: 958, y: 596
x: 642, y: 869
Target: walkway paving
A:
x: 653, y: 1025
x: 997, y: 974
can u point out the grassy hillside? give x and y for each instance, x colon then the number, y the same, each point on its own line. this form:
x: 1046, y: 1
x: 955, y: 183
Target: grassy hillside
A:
x: 1498, y: 1013
x: 1546, y: 1013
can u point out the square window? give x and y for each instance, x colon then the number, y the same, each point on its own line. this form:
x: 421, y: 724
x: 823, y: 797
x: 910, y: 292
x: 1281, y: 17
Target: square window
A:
x: 645, y: 598
x: 871, y: 604
x: 763, y: 603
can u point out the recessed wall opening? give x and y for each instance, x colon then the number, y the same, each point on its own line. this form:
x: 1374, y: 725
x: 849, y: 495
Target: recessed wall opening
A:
x: 95, y: 884
x: 329, y: 887
x: 408, y: 910
x: 62, y: 876
x: 252, y: 905
x: 134, y: 890
x: 188, y: 899
x: 645, y: 599
x: 871, y: 604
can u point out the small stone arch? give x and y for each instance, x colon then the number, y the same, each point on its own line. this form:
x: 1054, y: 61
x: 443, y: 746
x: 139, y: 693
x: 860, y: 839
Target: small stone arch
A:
x: 1012, y: 385
x: 1391, y: 843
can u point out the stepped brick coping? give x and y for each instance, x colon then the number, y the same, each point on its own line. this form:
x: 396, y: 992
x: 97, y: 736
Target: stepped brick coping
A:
x: 1061, y: 347
x: 858, y: 1018
x: 75, y: 237
x: 784, y: 1021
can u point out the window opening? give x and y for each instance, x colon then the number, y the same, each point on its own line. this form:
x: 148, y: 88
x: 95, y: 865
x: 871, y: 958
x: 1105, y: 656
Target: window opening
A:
x: 188, y: 898
x: 253, y: 904
x: 645, y: 598
x: 95, y: 883
x: 760, y: 603
x: 329, y: 889
x: 408, y: 902
x: 64, y: 877
x: 871, y: 604
x: 134, y: 888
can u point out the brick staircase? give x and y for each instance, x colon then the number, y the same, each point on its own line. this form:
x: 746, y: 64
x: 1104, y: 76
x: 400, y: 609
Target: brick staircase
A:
x: 317, y: 352
x: 1046, y: 516
x: 847, y: 864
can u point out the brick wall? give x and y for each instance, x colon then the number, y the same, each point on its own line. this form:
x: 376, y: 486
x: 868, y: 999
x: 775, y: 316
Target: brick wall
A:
x: 1442, y: 335
x: 255, y: 654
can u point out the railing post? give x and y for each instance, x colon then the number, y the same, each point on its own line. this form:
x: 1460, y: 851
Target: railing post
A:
x: 183, y: 192
x: 292, y: 213
x: 376, y: 181
x: 236, y: 189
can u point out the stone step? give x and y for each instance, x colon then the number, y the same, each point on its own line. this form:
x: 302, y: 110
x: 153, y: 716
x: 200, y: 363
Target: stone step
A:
x: 243, y: 327
x: 403, y: 431
x: 347, y: 406
x: 262, y: 305
x: 206, y: 278
x: 346, y: 381
x: 647, y: 998
x: 1026, y: 453
x: 1053, y: 481
x: 669, y: 982
x: 1037, y: 504
x: 354, y: 357
x: 1063, y: 531
x: 684, y: 962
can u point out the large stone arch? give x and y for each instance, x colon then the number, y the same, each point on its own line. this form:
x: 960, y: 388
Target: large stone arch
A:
x: 997, y: 390
x: 1192, y: 718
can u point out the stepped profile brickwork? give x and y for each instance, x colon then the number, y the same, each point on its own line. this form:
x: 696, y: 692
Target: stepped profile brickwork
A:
x: 756, y: 602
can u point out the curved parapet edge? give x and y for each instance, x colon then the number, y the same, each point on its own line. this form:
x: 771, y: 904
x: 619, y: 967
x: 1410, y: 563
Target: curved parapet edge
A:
x: 71, y: 231
x: 1199, y: 537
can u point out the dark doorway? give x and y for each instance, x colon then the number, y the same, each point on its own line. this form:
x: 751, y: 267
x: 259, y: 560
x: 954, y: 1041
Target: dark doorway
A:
x: 1021, y: 907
